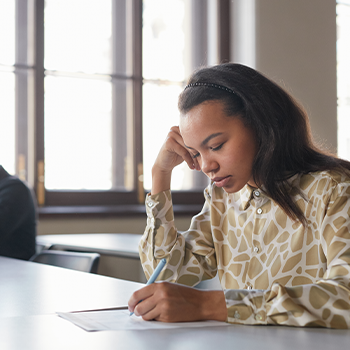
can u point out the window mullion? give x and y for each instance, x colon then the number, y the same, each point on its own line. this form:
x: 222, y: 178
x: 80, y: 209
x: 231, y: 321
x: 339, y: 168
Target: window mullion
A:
x: 224, y: 30
x: 21, y: 106
x: 199, y: 47
x: 119, y: 95
x: 36, y: 95
x: 137, y: 96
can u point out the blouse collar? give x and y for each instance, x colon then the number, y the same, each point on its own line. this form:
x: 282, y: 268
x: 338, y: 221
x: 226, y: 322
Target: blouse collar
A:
x: 247, y: 192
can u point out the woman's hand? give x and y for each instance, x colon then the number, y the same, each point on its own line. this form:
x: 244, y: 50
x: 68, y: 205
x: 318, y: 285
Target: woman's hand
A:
x: 169, y: 302
x: 172, y: 153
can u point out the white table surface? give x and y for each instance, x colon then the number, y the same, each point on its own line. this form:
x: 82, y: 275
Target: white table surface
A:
x: 31, y: 293
x: 28, y: 288
x: 115, y: 244
x: 50, y: 332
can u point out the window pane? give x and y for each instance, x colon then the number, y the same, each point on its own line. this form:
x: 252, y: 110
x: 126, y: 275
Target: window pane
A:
x: 7, y: 121
x: 78, y: 35
x: 163, y: 39
x: 7, y: 32
x: 78, y: 143
x: 343, y: 77
x: 160, y: 114
x: 166, y: 33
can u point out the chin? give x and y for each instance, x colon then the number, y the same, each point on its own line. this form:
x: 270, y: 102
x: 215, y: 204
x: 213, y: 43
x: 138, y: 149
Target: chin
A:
x: 229, y: 190
x: 233, y: 189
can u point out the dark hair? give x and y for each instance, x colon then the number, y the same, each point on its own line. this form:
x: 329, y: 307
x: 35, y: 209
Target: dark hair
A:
x: 284, y: 142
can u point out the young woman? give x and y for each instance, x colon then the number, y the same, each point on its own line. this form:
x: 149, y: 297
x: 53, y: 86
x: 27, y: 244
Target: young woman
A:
x: 275, y: 224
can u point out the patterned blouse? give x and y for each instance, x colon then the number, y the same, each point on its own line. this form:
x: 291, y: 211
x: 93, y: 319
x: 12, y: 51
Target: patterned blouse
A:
x: 271, y: 269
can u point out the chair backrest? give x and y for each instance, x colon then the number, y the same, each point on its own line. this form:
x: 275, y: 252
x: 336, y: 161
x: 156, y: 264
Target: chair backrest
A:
x: 41, y: 246
x: 87, y: 262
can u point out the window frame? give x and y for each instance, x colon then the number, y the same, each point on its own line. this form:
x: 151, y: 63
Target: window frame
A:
x: 30, y: 119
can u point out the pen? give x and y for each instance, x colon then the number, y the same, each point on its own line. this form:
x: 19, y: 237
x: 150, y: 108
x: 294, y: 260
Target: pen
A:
x: 155, y: 275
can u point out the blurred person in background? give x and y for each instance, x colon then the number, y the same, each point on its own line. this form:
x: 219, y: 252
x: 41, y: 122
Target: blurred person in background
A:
x: 17, y: 217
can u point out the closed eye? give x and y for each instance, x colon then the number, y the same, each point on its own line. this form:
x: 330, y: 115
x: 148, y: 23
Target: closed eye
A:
x: 217, y: 148
x: 212, y: 148
x: 195, y: 155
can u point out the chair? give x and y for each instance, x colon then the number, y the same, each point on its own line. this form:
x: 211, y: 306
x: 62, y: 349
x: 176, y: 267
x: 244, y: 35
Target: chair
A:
x: 41, y: 246
x: 86, y: 262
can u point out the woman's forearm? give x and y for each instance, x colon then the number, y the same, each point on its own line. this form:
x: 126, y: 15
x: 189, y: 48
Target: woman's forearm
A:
x: 160, y: 180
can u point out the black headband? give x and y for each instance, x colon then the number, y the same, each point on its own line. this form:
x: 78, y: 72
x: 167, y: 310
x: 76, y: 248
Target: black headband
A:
x: 210, y: 85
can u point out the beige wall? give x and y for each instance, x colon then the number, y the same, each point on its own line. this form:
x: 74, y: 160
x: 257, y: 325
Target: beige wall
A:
x: 100, y: 225
x: 294, y: 42
x: 295, y: 45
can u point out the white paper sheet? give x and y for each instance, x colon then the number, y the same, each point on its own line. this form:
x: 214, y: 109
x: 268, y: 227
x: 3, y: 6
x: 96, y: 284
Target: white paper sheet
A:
x: 102, y: 320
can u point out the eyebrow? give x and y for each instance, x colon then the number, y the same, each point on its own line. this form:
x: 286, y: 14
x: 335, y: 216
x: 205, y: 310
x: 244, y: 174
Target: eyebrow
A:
x: 207, y: 139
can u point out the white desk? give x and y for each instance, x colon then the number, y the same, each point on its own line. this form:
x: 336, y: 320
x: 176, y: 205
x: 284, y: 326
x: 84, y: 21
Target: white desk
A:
x: 123, y: 245
x: 49, y: 332
x: 31, y: 293
x: 28, y: 288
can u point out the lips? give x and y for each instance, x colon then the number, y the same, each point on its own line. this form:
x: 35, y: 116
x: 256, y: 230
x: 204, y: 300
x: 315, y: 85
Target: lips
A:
x: 221, y: 181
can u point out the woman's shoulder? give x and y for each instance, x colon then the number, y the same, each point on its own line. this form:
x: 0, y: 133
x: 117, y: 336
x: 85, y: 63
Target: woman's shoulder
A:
x: 322, y: 182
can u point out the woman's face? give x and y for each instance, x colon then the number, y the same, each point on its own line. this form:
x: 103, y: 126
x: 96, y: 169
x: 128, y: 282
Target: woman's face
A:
x: 222, y: 145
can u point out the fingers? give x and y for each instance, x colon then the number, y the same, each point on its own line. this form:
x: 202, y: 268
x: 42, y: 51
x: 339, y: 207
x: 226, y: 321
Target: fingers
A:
x: 174, y: 146
x: 147, y: 309
x: 169, y: 302
x: 145, y: 301
x: 166, y: 302
x: 191, y: 162
x: 173, y: 153
x: 148, y: 301
x: 180, y: 148
x: 139, y: 296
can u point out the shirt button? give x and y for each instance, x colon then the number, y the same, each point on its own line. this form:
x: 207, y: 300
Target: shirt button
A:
x: 257, y: 193
x: 237, y: 315
x: 256, y: 249
x: 258, y: 317
x: 150, y: 204
x: 259, y: 211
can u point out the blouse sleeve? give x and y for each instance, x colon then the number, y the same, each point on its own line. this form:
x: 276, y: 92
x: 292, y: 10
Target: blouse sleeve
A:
x: 190, y: 255
x: 325, y: 303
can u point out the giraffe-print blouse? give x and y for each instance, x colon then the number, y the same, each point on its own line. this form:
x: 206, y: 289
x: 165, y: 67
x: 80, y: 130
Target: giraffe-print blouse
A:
x: 271, y: 269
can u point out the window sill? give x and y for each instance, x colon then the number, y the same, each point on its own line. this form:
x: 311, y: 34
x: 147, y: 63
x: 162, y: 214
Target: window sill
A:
x: 110, y: 210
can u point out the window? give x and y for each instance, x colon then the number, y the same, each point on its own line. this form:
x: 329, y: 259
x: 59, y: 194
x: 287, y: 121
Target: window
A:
x: 79, y: 86
x: 91, y: 91
x: 343, y: 77
x: 7, y: 85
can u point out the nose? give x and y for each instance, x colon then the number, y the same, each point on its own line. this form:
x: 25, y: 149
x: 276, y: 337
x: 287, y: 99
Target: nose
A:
x: 208, y: 164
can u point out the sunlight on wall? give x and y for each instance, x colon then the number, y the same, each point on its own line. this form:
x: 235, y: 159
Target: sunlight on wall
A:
x: 343, y: 78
